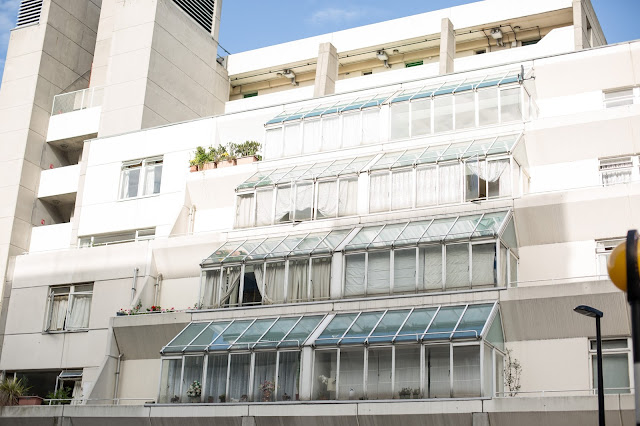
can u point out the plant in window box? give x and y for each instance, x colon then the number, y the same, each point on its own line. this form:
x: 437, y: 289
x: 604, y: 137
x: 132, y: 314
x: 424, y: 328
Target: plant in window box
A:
x: 59, y: 397
x: 222, y: 398
x: 247, y: 152
x: 154, y: 308
x: 405, y: 393
x: 267, y: 387
x: 416, y: 393
x: 200, y: 157
x: 194, y: 391
x: 11, y: 390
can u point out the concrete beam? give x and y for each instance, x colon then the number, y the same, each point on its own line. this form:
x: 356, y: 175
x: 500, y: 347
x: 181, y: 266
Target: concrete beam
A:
x: 326, y: 70
x: 447, y: 46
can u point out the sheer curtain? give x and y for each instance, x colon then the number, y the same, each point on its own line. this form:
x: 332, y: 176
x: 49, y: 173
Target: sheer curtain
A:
x: 59, y: 312
x: 304, y: 201
x: 298, y: 280
x: 244, y: 211
x: 483, y: 264
x: 216, y: 378
x: 288, y: 376
x: 427, y: 186
x: 450, y: 183
x: 371, y: 126
x: 351, y: 379
x: 430, y: 261
x: 152, y: 179
x: 420, y: 117
x: 351, y: 130
x: 401, y: 189
x: 348, y: 197
x: 354, y: 275
x: 404, y: 271
x: 274, y: 282
x: 210, y: 291
x: 400, y: 120
x: 320, y: 278
x: 407, y: 368
x: 379, y: 373
x: 130, y: 180
x: 312, y: 136
x: 437, y: 364
x: 457, y: 268
x: 273, y: 144
x: 327, y: 199
x: 80, y: 308
x: 230, y: 287
x: 283, y: 204
x: 378, y: 272
x: 239, y: 378
x: 170, y: 380
x: 379, y: 188
x: 330, y: 133
x: 292, y: 142
x: 466, y: 371
x: 612, y: 177
x: 264, y: 207
x: 192, y: 372
x: 510, y: 106
x: 497, y: 173
x: 264, y: 371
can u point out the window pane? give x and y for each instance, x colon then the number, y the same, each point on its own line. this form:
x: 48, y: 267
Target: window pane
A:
x: 58, y: 313
x: 498, y: 176
x: 330, y: 133
x: 170, y: 381
x: 421, y: 117
x: 216, y: 378
x: 488, y: 107
x: 378, y: 273
x: 483, y: 267
x: 473, y: 321
x: 407, y: 370
x: 130, y: 182
x: 298, y: 280
x: 404, y: 271
x: 336, y: 329
x: 457, y: 274
x: 288, y: 376
x: 244, y: 210
x: 348, y: 198
x: 274, y: 282
x: 371, y: 126
x: 465, y: 110
x: 388, y: 326
x: 510, y: 108
x: 351, y: 374
x: 361, y: 328
x: 513, y: 270
x: 499, y: 370
x: 292, y: 142
x: 264, y: 377
x: 430, y: 261
x: 443, y: 324
x: 153, y: 177
x: 400, y: 120
x: 436, y: 379
x: 379, y: 373
x: 320, y: 278
x: 273, y: 144
x: 354, y: 275
x: 611, y: 344
x: 426, y: 186
x: 379, y: 191
x: 312, y: 136
x: 615, y: 373
x: 415, y: 325
x: 239, y: 378
x: 304, y: 202
x: 327, y: 199
x: 450, y: 183
x: 475, y: 187
x: 466, y: 371
x: 264, y: 207
x: 283, y: 204
x: 401, y: 189
x: 351, y: 130
x: 301, y: 331
x: 192, y: 378
x: 79, y: 312
x: 443, y: 113
x: 504, y: 259
x: 325, y: 371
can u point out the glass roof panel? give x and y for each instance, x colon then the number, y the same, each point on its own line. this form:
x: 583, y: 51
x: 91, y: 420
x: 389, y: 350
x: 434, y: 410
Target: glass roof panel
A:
x: 388, y: 326
x: 279, y: 118
x: 438, y: 229
x: 277, y: 332
x: 332, y: 241
x: 504, y: 144
x: 239, y: 254
x: 425, y: 92
x: 253, y: 333
x: 224, y: 251
x: 286, y: 246
x: 274, y: 177
x: 301, y: 331
x: 184, y: 338
x: 335, y: 108
x: 447, y: 88
x: 212, y: 331
x: 388, y: 234
x: 364, y: 237
x: 473, y: 321
x: 468, y: 85
x: 356, y: 103
x: 387, y: 160
x: 224, y: 341
x: 295, y: 173
x: 463, y: 227
x: 356, y: 165
x: 415, y: 325
x: 405, y: 95
x: 495, y: 335
x: 335, y: 168
x: 431, y: 154
x: 444, y: 323
x: 509, y: 235
x: 511, y: 78
x: 490, y: 81
x: 265, y: 248
x: 361, y: 328
x: 253, y: 180
x: 455, y: 150
x: 298, y: 114
x: 408, y: 157
x: 479, y: 147
x: 413, y: 232
x: 316, y: 170
x: 377, y: 100
x: 335, y: 330
x: 489, y: 224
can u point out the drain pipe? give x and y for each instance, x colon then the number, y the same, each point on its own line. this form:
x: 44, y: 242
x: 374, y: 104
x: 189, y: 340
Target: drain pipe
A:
x: 115, y: 388
x: 133, y: 284
x: 157, y: 287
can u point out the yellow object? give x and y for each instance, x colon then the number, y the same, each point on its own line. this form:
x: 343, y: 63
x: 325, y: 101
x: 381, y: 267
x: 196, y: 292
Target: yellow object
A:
x: 617, y: 265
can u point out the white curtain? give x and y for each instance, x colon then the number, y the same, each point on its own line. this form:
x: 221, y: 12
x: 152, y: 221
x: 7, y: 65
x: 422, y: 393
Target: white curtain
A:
x: 283, y: 204
x: 327, y: 199
x: 239, y: 378
x: 320, y: 278
x: 351, y: 130
x: 152, y: 179
x: 437, y: 365
x: 379, y: 373
x: 304, y: 201
x: 354, y: 275
x: 404, y: 270
x: 466, y: 371
x: 483, y: 264
x: 216, y: 377
x: 192, y: 372
x: 450, y: 183
x: 351, y: 377
x: 400, y: 120
x: 407, y: 368
x: 427, y: 186
x: 80, y: 308
x: 312, y: 136
x: 348, y: 197
x: 264, y: 207
x: 273, y: 144
x: 401, y: 189
x: 258, y: 272
x: 210, y: 290
x: 288, y: 376
x: 59, y: 312
x: 244, y: 211
x: 457, y: 268
x: 130, y: 181
x: 430, y: 268
x: 330, y: 133
x: 378, y: 272
x: 264, y: 371
x: 298, y: 281
x: 170, y: 381
x: 371, y: 126
x: 379, y: 187
x: 292, y: 142
x: 230, y: 287
x: 612, y: 177
x: 274, y: 283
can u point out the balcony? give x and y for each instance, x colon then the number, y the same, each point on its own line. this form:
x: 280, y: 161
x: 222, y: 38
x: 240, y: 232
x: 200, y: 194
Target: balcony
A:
x: 50, y: 237
x: 75, y: 117
x: 58, y: 183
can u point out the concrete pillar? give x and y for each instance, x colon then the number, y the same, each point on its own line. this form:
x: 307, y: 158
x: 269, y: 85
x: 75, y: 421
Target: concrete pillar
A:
x: 586, y: 27
x: 326, y: 71
x: 481, y: 419
x: 248, y: 421
x: 447, y: 46
x: 217, y: 12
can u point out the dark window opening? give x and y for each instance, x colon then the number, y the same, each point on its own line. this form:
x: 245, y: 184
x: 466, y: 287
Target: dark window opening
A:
x: 251, y: 294
x: 413, y: 64
x: 250, y: 95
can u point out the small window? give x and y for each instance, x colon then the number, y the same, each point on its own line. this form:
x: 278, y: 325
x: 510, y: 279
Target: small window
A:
x: 140, y: 178
x: 413, y: 64
x: 69, y: 307
x: 603, y: 250
x: 530, y: 42
x: 616, y: 170
x: 117, y: 238
x: 367, y: 73
x: 615, y: 365
x: 250, y: 95
x: 480, y: 52
x: 619, y: 97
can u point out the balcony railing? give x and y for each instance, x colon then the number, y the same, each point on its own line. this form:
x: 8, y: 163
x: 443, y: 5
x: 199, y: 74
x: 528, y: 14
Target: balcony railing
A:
x: 76, y: 101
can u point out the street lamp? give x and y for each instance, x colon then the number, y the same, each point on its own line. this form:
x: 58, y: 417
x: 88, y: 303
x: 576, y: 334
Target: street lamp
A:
x: 594, y: 313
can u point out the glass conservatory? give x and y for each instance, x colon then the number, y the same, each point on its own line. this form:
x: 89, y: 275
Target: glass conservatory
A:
x: 420, y: 353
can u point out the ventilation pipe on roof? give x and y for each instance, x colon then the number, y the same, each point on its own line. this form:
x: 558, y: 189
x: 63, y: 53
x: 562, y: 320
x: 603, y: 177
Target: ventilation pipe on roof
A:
x: 288, y: 73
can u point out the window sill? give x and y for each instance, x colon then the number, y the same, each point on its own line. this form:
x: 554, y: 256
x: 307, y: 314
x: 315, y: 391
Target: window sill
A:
x: 140, y: 197
x: 80, y: 330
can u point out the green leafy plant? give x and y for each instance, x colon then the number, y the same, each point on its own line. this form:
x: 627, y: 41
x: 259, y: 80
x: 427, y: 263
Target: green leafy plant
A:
x: 200, y: 157
x: 60, y: 397
x: 218, y: 153
x: 247, y: 149
x: 11, y: 390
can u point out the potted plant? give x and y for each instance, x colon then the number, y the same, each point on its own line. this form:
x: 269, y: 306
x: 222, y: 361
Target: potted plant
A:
x: 416, y: 393
x: 194, y: 391
x: 11, y: 390
x: 222, y: 398
x: 405, y: 393
x: 154, y: 308
x: 267, y: 387
x: 247, y: 152
x: 200, y: 157
x: 59, y: 397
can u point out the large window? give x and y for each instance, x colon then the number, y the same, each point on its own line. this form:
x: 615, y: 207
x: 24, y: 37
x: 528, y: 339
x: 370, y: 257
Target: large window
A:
x: 615, y: 365
x: 618, y: 170
x: 140, y: 178
x: 68, y: 307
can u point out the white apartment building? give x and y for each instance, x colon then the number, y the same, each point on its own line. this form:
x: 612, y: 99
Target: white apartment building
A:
x: 436, y: 194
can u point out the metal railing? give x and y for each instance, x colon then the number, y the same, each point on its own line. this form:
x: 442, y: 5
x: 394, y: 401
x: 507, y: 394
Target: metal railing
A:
x: 76, y: 101
x: 567, y: 392
x: 93, y: 401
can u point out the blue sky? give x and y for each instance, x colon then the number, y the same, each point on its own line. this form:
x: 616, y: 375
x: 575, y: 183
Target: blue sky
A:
x: 250, y: 24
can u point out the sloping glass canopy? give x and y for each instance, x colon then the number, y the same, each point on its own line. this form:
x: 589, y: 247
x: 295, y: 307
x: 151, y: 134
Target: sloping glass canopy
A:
x: 282, y: 246
x: 435, y: 230
x: 411, y: 325
x: 459, y: 150
x: 306, y: 172
x: 243, y: 334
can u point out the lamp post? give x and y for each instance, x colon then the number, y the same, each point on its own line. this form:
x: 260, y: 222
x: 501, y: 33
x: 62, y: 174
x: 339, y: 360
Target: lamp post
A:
x: 594, y: 313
